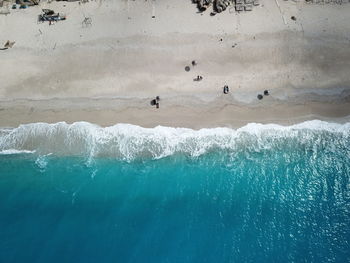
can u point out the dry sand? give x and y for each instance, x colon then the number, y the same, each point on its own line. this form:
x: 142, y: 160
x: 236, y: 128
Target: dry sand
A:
x: 107, y: 73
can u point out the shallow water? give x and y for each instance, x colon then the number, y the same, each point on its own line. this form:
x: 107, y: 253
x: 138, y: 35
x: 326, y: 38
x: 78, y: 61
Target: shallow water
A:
x: 260, y: 194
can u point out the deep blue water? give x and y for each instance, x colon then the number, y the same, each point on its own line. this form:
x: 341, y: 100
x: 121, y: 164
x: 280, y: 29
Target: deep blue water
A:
x: 286, y: 202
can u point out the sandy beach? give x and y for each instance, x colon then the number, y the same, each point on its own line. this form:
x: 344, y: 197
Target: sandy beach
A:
x: 109, y: 71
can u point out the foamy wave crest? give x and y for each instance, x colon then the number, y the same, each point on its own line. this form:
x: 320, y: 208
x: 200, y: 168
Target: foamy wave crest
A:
x: 127, y: 142
x: 14, y: 151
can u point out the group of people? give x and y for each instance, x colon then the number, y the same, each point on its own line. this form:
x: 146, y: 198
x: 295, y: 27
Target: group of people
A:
x: 226, y: 90
x: 199, y: 78
x: 155, y: 102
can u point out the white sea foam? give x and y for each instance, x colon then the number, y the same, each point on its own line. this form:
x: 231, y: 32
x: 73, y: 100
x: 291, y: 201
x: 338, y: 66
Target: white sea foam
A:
x: 42, y: 161
x: 127, y: 142
x: 14, y: 151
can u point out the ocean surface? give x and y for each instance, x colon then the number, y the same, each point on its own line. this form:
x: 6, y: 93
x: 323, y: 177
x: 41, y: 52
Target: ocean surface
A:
x: 261, y: 193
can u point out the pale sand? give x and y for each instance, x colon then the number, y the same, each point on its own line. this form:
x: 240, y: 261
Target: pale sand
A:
x: 109, y: 72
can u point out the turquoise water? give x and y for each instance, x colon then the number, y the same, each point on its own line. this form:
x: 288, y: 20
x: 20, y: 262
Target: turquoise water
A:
x: 263, y: 193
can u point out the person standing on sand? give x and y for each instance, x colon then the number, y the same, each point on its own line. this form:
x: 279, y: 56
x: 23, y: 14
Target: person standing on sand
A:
x: 226, y: 89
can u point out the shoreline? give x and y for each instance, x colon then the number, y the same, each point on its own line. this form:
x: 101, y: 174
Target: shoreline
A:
x: 220, y: 112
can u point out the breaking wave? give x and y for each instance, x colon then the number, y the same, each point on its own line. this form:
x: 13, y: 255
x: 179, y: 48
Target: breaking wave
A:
x: 129, y: 142
x: 14, y: 151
